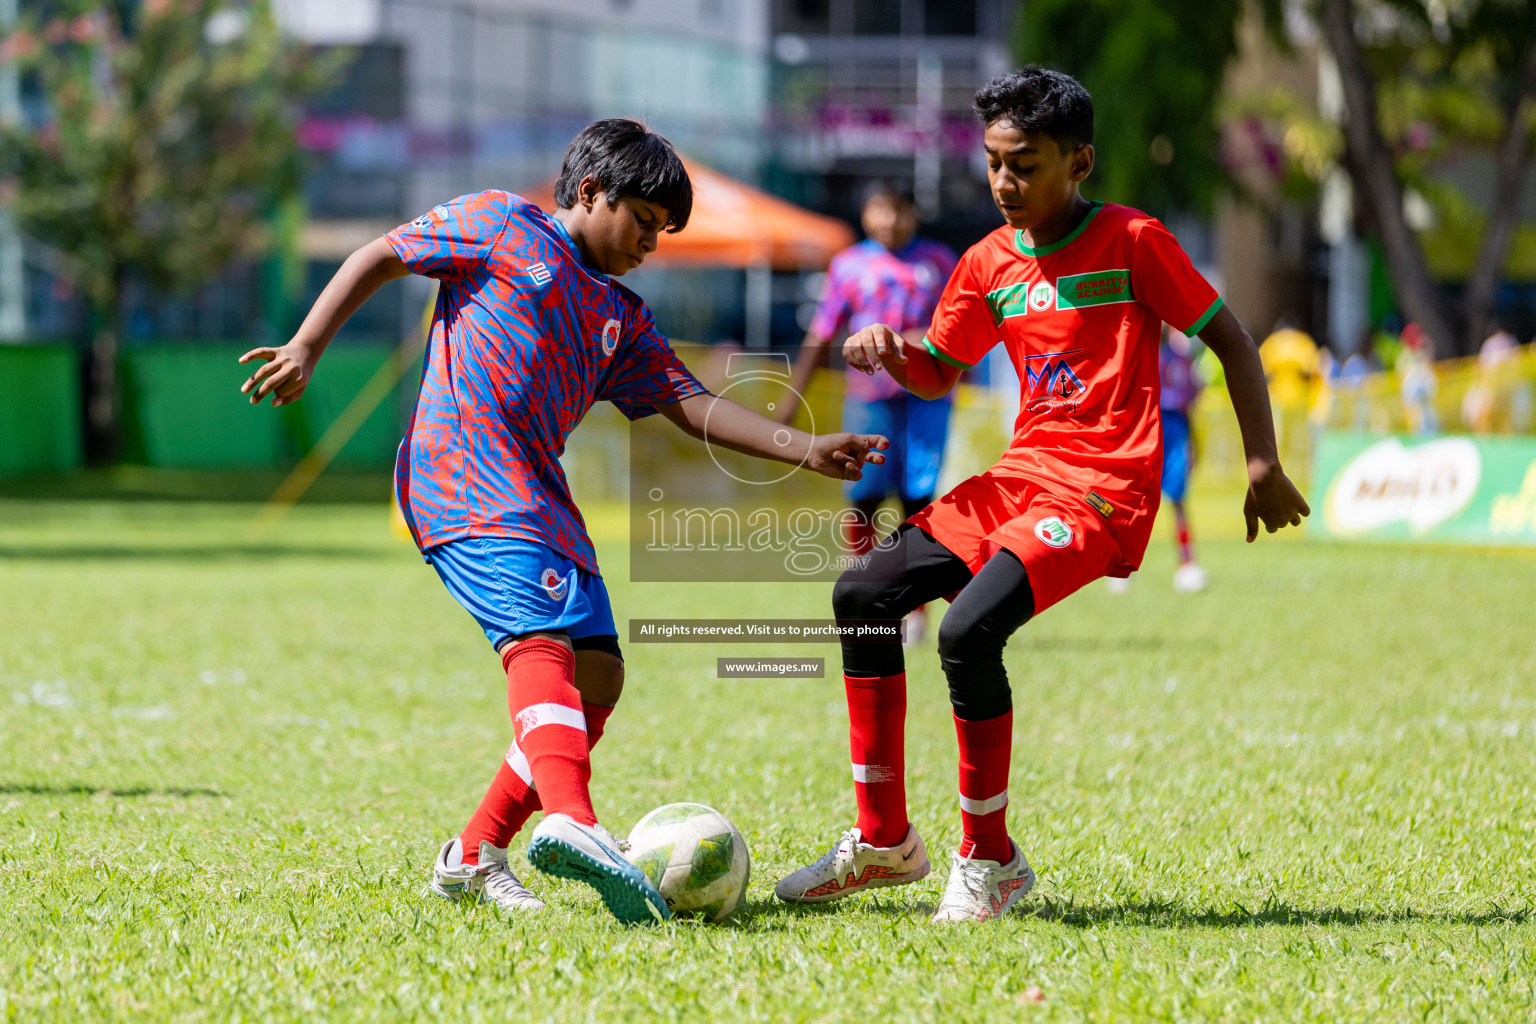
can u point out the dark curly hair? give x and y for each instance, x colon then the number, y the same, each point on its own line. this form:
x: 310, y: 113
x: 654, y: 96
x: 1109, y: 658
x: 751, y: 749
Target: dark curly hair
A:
x: 1039, y: 101
x: 629, y: 160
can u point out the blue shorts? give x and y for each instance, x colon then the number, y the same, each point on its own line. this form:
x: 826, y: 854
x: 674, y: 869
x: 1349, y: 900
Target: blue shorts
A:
x: 1178, y: 453
x: 917, y: 430
x: 514, y: 586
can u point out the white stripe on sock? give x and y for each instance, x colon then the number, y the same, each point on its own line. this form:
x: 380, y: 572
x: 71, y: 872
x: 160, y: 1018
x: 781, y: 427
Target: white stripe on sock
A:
x: 987, y: 806
x: 867, y: 773
x: 535, y: 715
x: 518, y: 762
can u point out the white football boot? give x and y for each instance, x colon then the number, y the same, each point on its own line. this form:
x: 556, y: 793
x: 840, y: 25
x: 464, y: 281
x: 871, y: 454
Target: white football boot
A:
x: 981, y: 890
x: 1117, y: 584
x: 589, y: 853
x: 853, y: 865
x: 1189, y: 578
x: 490, y: 881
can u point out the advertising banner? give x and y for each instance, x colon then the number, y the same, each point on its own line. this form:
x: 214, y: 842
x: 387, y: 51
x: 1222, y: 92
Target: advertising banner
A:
x: 1433, y: 489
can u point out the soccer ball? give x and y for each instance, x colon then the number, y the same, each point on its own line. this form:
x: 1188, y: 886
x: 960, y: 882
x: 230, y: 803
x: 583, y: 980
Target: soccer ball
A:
x: 694, y: 857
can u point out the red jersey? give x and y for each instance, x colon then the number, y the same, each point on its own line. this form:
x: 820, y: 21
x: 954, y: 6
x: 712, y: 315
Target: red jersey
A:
x: 1081, y: 321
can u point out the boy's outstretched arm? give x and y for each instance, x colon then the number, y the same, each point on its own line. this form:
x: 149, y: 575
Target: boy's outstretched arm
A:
x: 1272, y: 498
x: 725, y: 423
x: 286, y: 370
x: 904, y: 358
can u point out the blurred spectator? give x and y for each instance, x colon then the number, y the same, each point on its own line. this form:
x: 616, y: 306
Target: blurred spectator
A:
x: 1180, y: 390
x: 1291, y: 364
x: 1482, y: 398
x: 1418, y: 383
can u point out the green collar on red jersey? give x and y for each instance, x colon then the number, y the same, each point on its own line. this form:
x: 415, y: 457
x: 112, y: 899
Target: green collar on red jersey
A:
x: 1058, y: 245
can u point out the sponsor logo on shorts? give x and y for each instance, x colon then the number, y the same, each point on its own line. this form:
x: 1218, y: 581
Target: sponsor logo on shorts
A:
x: 1041, y: 296
x: 553, y: 584
x: 610, y: 337
x: 1101, y: 506
x: 540, y: 273
x: 1053, y: 532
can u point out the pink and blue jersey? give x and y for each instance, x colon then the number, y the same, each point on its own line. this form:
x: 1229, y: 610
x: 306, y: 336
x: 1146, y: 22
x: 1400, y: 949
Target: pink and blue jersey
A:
x: 1180, y: 383
x: 869, y: 284
x: 524, y: 340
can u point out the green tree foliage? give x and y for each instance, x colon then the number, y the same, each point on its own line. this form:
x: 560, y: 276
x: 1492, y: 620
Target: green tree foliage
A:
x: 1424, y: 83
x: 1155, y: 70
x: 168, y: 140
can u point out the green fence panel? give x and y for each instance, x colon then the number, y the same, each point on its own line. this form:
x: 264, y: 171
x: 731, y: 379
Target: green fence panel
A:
x: 342, y: 373
x: 183, y: 409
x: 40, y: 430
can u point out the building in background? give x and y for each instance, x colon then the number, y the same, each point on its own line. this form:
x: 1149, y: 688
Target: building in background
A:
x: 882, y: 89
x: 444, y: 97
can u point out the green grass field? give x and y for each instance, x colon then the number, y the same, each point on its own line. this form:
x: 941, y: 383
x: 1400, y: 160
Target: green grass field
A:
x: 1308, y: 794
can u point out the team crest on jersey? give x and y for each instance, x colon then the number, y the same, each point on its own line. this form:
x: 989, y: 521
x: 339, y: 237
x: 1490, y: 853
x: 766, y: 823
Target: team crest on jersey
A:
x: 553, y: 584
x: 1041, y: 296
x: 1053, y: 532
x: 610, y: 337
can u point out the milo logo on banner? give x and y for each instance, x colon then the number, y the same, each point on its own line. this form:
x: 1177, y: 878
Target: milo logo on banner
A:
x: 1475, y: 490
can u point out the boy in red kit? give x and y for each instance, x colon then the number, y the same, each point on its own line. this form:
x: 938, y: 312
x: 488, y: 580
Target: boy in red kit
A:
x: 1077, y: 292
x: 531, y: 330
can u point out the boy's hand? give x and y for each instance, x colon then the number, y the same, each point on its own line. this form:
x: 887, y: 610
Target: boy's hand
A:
x: 842, y: 456
x: 1273, y: 499
x: 876, y: 344
x: 284, y: 375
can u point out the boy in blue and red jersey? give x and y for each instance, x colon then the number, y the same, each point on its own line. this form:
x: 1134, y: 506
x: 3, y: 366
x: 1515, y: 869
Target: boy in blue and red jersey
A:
x: 531, y: 330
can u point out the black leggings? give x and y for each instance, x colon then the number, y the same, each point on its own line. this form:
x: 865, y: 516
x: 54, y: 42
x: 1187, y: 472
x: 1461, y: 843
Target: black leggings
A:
x: 911, y: 569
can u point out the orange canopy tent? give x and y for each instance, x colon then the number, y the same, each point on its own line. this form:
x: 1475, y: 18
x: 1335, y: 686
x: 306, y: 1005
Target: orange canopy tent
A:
x: 735, y: 225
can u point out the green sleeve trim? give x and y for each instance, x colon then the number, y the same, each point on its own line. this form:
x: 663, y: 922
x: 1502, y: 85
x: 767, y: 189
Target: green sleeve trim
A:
x: 933, y: 351
x: 1199, y: 325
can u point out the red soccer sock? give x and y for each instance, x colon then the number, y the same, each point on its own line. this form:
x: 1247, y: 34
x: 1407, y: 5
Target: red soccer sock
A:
x: 984, y: 752
x: 512, y: 799
x: 549, y: 726
x: 1181, y: 533
x: 877, y: 721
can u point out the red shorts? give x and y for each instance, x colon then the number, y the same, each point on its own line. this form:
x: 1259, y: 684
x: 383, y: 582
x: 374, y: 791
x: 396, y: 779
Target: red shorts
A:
x: 1063, y: 542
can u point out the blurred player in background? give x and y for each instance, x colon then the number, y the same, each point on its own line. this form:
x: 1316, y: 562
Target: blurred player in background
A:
x: 893, y: 277
x: 1180, y: 391
x: 1077, y: 291
x: 1180, y: 388
x: 530, y: 331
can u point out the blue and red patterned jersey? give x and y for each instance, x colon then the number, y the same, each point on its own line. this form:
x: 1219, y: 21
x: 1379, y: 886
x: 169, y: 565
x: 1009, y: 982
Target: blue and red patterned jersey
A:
x: 1180, y: 383
x: 524, y: 340
x: 869, y: 284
